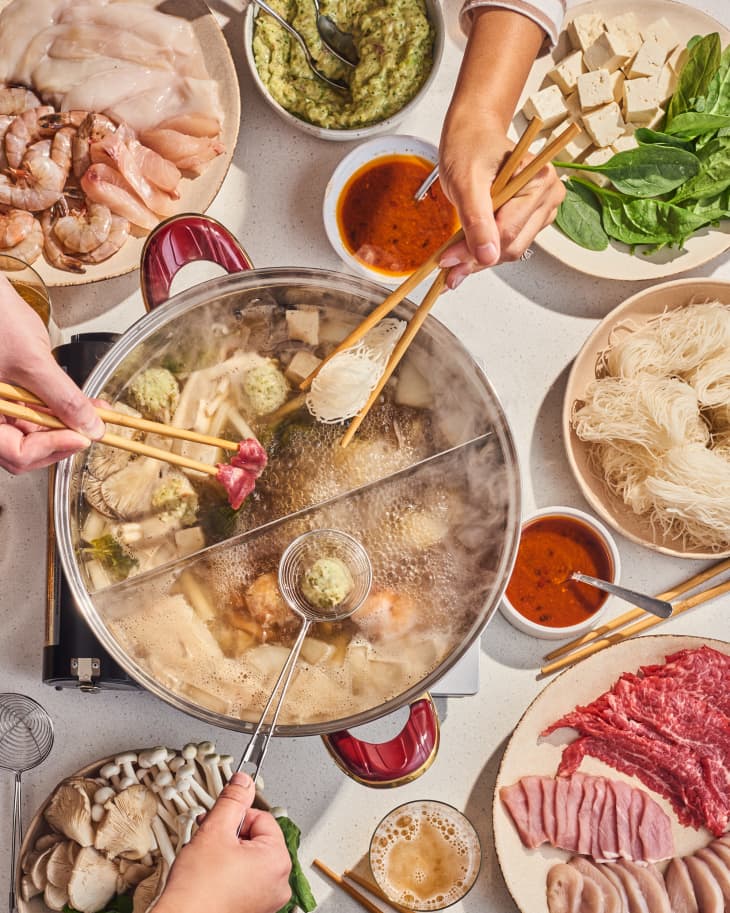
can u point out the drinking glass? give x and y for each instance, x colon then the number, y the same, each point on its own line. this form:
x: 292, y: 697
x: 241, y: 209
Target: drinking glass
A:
x: 32, y: 289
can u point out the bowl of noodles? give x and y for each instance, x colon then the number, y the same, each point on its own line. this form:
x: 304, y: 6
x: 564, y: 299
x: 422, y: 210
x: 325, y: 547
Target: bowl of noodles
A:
x: 646, y: 418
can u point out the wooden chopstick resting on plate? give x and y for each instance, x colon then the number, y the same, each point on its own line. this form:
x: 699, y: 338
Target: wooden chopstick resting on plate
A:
x: 374, y: 889
x: 13, y: 410
x: 633, y: 614
x: 112, y: 417
x: 504, y: 188
x: 350, y: 889
x: 645, y: 622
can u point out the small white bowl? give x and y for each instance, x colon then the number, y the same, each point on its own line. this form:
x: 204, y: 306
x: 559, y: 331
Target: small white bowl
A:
x: 435, y: 14
x: 547, y: 632
x: 380, y: 147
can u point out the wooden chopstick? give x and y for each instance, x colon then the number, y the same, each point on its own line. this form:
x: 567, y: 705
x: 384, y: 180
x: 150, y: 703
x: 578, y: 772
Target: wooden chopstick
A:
x: 348, y: 888
x: 414, y: 325
x: 501, y: 192
x: 112, y: 440
x: 649, y: 621
x: 633, y: 614
x: 111, y: 416
x: 374, y: 889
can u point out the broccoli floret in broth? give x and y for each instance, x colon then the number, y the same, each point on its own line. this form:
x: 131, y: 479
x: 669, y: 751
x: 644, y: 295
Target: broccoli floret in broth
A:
x: 177, y: 498
x: 265, y: 388
x: 112, y: 556
x: 155, y: 392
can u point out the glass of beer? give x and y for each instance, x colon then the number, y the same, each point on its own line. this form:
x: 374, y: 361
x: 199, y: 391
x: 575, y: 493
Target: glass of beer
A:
x: 32, y: 289
x: 425, y: 855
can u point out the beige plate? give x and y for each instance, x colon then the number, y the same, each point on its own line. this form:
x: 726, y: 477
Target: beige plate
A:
x: 639, y: 309
x: 525, y: 871
x: 616, y: 262
x: 196, y: 194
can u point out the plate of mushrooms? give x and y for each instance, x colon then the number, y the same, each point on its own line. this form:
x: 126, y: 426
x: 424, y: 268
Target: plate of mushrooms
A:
x: 106, y: 837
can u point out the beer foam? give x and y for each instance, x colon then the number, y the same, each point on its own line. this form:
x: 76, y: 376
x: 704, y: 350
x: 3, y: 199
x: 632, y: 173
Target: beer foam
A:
x: 425, y: 855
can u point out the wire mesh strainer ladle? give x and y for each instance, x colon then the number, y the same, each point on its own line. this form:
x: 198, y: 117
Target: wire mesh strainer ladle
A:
x: 298, y: 557
x: 26, y: 738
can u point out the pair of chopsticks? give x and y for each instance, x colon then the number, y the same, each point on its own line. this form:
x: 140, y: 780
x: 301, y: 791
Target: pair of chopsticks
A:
x: 636, y: 620
x: 11, y: 396
x: 342, y: 882
x: 505, y: 186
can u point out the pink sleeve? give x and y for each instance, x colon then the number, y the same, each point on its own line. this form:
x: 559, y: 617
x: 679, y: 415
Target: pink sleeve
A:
x: 548, y: 14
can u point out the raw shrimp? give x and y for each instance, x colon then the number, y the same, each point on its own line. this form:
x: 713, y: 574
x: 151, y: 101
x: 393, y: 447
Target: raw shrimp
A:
x: 53, y: 250
x: 15, y: 226
x: 156, y: 169
x: 193, y: 125
x: 29, y: 249
x: 5, y: 121
x: 23, y: 131
x: 63, y: 119
x: 386, y: 614
x: 126, y: 164
x: 189, y: 153
x: 118, y: 234
x: 38, y: 184
x: 104, y: 184
x: 93, y: 128
x: 16, y: 100
x: 83, y: 230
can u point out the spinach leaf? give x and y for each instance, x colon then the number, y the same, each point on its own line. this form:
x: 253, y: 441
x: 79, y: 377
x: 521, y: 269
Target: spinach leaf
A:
x: 702, y: 62
x: 714, y: 175
x: 302, y: 896
x: 645, y: 136
x: 717, y: 100
x: 579, y: 217
x: 122, y: 903
x: 646, y: 171
x: 690, y: 124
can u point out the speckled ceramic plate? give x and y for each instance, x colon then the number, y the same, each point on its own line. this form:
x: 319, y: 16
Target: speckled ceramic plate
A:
x: 617, y: 262
x: 639, y: 309
x: 196, y: 194
x: 525, y: 871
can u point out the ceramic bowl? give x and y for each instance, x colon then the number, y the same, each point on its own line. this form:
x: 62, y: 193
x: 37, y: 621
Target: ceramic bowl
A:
x: 433, y: 8
x: 361, y: 155
x: 548, y: 632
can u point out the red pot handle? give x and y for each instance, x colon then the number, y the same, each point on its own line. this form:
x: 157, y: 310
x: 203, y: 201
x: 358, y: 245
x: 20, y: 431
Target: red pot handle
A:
x: 393, y: 763
x: 182, y: 240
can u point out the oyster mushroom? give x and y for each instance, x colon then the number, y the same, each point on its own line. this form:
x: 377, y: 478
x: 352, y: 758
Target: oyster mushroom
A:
x: 131, y: 874
x: 38, y: 869
x: 55, y: 898
x: 95, y: 498
x: 27, y: 889
x: 147, y: 891
x: 69, y: 813
x: 93, y: 881
x: 104, y: 461
x: 125, y: 829
x: 128, y: 493
x: 60, y: 865
x: 46, y: 840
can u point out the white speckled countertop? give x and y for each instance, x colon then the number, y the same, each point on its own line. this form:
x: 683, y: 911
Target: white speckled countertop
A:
x: 525, y: 322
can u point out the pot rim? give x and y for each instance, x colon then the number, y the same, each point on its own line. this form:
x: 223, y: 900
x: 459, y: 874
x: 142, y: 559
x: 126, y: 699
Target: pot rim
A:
x: 139, y: 331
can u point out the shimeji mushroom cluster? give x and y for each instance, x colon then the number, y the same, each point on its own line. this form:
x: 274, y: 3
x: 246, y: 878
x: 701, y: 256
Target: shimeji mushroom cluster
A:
x: 119, y: 832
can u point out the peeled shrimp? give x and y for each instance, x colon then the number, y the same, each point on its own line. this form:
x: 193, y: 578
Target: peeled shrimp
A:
x: 153, y: 167
x: 30, y: 247
x: 103, y: 184
x: 122, y: 158
x: 92, y: 129
x: 82, y: 231
x: 23, y: 131
x: 37, y: 185
x: 189, y: 153
x: 118, y: 234
x: 5, y: 121
x: 16, y: 100
x: 15, y: 226
x: 55, y: 254
x: 386, y: 614
x: 193, y: 125
x: 63, y: 119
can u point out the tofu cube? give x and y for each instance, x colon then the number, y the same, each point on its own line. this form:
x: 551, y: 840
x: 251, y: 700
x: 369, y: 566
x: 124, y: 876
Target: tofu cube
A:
x: 649, y: 60
x: 661, y: 32
x: 641, y: 99
x: 572, y: 103
x: 627, y: 25
x: 575, y: 148
x: 655, y: 122
x: 677, y: 58
x: 547, y: 104
x: 625, y: 142
x: 617, y: 85
x: 584, y: 30
x: 594, y: 89
x: 301, y: 366
x: 597, y: 157
x: 608, y: 52
x: 604, y: 125
x: 303, y: 324
x: 666, y: 82
x: 566, y: 73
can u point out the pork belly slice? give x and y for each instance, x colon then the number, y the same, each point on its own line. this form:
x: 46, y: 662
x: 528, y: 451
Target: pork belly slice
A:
x: 720, y: 872
x: 612, y: 899
x: 679, y: 887
x: 707, y: 890
x: 652, y: 887
x: 564, y: 889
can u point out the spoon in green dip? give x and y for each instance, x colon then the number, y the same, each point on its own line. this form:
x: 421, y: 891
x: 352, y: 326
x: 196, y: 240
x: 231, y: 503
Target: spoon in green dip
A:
x: 335, y: 40
x: 337, y: 84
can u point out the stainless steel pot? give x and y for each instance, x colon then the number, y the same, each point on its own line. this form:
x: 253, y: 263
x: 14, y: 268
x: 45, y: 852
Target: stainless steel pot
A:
x: 472, y: 408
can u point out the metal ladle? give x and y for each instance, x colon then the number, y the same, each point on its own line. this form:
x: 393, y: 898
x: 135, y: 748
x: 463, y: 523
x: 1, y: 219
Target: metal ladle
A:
x: 26, y: 738
x: 337, y: 84
x: 298, y: 557
x: 657, y: 607
x: 335, y: 40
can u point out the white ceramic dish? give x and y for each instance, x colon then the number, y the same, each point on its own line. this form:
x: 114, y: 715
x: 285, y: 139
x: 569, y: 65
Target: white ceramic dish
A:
x: 617, y: 262
x: 196, y: 194
x: 525, y: 870
x: 435, y: 14
x: 547, y: 632
x: 367, y: 152
x: 640, y: 309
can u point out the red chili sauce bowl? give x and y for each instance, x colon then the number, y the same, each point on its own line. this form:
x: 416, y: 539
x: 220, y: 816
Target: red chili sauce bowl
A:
x: 540, y: 598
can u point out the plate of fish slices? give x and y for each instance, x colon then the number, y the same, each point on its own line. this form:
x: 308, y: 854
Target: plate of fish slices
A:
x: 612, y: 794
x: 113, y: 116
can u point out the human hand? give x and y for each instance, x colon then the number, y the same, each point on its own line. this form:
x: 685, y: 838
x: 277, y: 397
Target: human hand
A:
x: 26, y: 359
x: 226, y: 872
x: 473, y: 148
